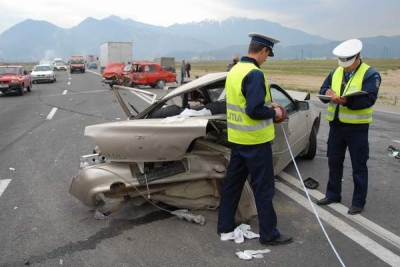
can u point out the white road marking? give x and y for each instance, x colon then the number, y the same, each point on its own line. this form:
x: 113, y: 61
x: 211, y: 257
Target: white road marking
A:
x: 143, y: 97
x: 396, y: 141
x: 65, y: 92
x: 51, y: 114
x: 77, y: 93
x: 69, y: 83
x: 373, y: 247
x: 364, y: 241
x: 3, y: 185
x: 367, y: 224
x: 99, y: 74
x: 385, y: 111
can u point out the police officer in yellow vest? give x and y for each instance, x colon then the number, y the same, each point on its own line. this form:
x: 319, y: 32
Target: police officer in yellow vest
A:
x: 250, y: 114
x: 353, y: 88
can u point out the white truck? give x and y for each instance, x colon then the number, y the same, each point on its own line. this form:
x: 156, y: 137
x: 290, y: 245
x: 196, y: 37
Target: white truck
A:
x: 120, y: 52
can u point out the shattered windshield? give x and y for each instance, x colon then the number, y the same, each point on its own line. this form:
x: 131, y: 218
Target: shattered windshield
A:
x: 42, y: 68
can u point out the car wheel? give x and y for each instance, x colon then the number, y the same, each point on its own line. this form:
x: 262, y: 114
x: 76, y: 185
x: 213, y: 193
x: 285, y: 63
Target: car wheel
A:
x: 312, y: 145
x: 55, y: 79
x: 160, y: 84
x: 21, y: 90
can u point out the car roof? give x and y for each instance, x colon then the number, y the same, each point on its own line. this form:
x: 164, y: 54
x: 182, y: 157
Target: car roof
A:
x: 10, y: 66
x: 48, y: 65
x: 144, y: 63
x: 219, y: 76
x: 201, y: 81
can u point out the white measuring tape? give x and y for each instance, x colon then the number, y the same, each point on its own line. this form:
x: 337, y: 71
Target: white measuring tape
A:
x: 309, y: 199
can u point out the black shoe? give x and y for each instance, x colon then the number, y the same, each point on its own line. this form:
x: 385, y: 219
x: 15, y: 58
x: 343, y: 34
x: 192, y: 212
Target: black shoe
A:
x: 326, y: 201
x: 354, y: 210
x: 281, y: 240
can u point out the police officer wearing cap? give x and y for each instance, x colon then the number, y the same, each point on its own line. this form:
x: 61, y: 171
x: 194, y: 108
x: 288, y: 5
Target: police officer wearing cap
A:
x: 353, y: 88
x: 250, y: 115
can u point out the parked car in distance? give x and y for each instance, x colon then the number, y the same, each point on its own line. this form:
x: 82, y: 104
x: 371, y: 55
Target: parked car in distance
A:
x: 60, y: 66
x: 182, y: 160
x: 48, y: 62
x: 14, y: 79
x: 43, y: 73
x: 147, y: 73
x: 92, y: 65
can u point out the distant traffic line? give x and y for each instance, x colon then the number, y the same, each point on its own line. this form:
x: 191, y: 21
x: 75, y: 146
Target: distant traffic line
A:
x: 51, y: 114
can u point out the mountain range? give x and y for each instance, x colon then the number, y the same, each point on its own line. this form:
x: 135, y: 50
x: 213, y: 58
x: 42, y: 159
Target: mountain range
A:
x: 34, y: 40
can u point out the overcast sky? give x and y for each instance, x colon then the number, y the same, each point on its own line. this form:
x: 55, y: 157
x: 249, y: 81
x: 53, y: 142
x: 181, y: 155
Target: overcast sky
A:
x: 333, y: 19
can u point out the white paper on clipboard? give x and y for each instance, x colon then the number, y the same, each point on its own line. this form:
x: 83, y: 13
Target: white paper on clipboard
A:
x: 324, y: 97
x: 327, y: 97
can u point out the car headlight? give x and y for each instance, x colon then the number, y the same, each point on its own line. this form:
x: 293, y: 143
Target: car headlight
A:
x: 15, y: 81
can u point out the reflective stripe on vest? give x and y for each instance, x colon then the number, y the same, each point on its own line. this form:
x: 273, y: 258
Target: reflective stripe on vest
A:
x: 354, y: 85
x: 241, y: 128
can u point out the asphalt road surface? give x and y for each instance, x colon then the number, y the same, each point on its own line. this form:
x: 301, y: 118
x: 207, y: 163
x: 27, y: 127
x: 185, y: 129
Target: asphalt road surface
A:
x: 41, y: 139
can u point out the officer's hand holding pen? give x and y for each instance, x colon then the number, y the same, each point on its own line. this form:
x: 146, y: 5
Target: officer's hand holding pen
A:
x: 341, y: 100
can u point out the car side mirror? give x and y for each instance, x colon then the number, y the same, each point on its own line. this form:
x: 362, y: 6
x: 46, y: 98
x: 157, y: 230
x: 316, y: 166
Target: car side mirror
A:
x: 302, y: 105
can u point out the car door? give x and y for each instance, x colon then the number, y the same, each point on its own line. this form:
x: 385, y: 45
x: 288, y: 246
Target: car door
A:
x: 293, y: 130
x: 152, y: 74
x: 25, y: 76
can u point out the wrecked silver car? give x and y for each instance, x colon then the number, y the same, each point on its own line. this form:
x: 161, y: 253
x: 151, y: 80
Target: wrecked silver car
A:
x: 176, y: 151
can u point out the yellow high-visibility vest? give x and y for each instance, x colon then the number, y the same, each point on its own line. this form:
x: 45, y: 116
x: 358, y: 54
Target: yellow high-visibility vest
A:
x: 345, y: 114
x: 241, y: 128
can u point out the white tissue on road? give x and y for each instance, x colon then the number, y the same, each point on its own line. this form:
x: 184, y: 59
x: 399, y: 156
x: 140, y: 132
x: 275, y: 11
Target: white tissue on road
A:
x: 186, y: 215
x: 239, y: 234
x: 249, y: 254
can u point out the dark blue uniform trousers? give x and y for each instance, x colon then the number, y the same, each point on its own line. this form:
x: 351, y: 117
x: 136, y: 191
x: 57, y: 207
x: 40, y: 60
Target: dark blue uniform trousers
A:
x: 355, y: 137
x: 255, y: 160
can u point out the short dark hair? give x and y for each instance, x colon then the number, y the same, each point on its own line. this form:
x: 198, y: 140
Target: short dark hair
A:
x: 256, y: 47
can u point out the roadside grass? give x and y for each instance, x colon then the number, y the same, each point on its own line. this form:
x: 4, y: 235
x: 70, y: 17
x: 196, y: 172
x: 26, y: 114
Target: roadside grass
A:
x: 307, y: 68
x: 300, y: 67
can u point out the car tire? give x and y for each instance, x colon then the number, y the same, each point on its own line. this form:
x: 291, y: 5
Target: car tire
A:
x: 161, y: 84
x: 21, y: 90
x: 312, y: 145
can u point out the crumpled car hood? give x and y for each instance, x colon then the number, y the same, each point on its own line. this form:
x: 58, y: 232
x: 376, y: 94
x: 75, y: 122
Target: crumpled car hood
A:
x: 113, y: 69
x: 146, y: 140
x: 7, y: 77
